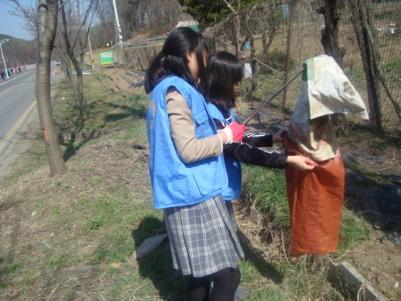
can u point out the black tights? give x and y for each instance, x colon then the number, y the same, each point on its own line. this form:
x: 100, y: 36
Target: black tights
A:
x: 225, y: 282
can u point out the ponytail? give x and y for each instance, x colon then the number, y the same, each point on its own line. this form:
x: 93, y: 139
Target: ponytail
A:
x: 155, y: 72
x: 172, y: 59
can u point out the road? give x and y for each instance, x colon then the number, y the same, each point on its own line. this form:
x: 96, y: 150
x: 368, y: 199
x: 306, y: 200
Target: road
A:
x: 16, y: 96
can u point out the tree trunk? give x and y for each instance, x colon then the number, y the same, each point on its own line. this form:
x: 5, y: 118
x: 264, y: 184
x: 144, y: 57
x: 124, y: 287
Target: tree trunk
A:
x: 264, y: 41
x: 255, y: 67
x: 254, y: 63
x: 66, y: 66
x: 237, y: 34
x: 291, y: 9
x: 77, y: 67
x: 329, y: 37
x: 47, y: 24
x: 370, y: 57
x: 80, y: 90
x: 267, y: 38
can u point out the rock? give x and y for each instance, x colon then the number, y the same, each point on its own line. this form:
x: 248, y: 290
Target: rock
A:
x: 46, y: 244
x: 148, y: 245
x: 240, y: 294
x: 396, y: 239
x: 376, y: 226
x: 396, y: 285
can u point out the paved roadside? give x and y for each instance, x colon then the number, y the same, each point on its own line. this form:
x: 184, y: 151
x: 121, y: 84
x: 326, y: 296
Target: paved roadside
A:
x: 19, y: 122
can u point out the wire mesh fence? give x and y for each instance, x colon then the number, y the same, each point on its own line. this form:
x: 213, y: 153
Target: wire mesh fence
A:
x: 298, y: 37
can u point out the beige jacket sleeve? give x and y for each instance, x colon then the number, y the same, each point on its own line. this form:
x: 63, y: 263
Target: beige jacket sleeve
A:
x: 189, y: 147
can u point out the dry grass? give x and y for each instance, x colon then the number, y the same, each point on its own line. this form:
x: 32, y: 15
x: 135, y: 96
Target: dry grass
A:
x: 72, y: 237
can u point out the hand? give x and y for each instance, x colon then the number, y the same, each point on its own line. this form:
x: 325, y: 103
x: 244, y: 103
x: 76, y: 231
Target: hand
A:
x: 237, y: 130
x: 301, y: 162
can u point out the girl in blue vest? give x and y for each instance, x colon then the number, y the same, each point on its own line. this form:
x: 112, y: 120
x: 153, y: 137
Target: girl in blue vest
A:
x: 224, y: 72
x: 187, y: 169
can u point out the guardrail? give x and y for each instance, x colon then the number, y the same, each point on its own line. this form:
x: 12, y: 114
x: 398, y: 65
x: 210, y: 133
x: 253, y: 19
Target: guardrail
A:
x: 145, y: 43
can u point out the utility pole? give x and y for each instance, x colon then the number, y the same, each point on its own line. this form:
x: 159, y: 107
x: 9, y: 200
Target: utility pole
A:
x: 90, y: 50
x: 2, y: 56
x: 119, y: 32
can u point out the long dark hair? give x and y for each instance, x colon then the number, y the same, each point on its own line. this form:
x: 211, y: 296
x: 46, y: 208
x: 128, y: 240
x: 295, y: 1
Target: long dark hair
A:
x: 172, y: 59
x: 224, y: 71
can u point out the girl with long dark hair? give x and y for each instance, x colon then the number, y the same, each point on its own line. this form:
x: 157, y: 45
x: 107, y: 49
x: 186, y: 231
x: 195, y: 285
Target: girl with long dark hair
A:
x: 187, y: 168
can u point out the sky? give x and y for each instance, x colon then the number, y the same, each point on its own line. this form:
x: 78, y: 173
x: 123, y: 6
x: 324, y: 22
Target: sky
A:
x: 13, y: 25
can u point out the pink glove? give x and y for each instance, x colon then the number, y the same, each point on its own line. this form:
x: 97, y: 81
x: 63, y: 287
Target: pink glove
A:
x: 237, y: 130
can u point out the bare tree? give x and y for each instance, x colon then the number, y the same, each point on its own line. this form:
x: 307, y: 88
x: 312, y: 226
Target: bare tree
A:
x: 28, y: 13
x: 254, y: 62
x: 151, y: 16
x: 71, y: 39
x: 368, y: 46
x: 236, y: 23
x: 74, y: 31
x: 269, y: 17
x: 47, y: 12
x: 104, y: 32
x: 330, y: 32
x: 291, y: 8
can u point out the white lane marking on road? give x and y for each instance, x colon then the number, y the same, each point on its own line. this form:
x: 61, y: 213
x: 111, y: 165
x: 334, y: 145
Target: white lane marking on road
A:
x: 7, y: 141
x: 2, y: 92
x: 14, y: 78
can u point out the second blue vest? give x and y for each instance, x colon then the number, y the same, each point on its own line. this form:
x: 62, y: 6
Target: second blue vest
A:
x: 233, y: 166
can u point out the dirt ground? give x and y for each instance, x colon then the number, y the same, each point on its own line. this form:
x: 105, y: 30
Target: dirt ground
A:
x: 379, y: 263
x: 42, y: 216
x: 365, y: 152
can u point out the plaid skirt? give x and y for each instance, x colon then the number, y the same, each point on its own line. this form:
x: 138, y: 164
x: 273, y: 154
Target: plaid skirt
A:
x: 203, y: 238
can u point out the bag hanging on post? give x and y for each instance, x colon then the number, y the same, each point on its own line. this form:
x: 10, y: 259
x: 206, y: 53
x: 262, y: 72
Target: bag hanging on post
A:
x: 316, y: 197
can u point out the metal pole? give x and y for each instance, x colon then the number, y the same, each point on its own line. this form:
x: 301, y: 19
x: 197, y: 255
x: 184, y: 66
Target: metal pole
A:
x: 285, y: 85
x: 4, y: 61
x: 119, y: 32
x: 90, y: 50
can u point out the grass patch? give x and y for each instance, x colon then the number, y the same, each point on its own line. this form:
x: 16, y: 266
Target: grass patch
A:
x: 88, y: 222
x: 103, y: 114
x: 84, y: 220
x: 354, y: 229
x: 392, y: 71
x: 267, y: 188
x: 11, y: 268
x: 267, y: 293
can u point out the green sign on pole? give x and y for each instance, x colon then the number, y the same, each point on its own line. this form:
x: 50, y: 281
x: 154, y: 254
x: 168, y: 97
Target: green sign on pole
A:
x: 106, y: 57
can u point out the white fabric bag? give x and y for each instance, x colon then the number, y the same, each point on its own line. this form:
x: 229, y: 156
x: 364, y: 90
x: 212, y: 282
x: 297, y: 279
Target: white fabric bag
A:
x: 325, y: 90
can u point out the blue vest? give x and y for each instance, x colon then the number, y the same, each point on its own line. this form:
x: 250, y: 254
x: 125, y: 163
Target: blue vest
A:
x: 174, y: 182
x: 233, y: 166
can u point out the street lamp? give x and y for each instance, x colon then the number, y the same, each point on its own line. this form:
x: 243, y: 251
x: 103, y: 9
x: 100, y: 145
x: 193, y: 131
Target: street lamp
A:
x: 2, y: 56
x: 119, y: 32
